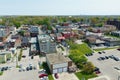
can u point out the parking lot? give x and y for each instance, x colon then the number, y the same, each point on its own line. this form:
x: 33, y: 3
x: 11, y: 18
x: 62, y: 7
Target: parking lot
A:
x: 25, y: 72
x: 108, y: 66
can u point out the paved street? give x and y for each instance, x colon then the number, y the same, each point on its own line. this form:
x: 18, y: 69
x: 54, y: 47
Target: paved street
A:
x: 66, y: 76
x: 107, y: 66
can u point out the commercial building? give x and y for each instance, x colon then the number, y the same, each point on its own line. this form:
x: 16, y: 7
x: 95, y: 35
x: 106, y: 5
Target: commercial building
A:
x: 116, y: 33
x: 57, y: 63
x: 47, y: 44
x: 115, y: 23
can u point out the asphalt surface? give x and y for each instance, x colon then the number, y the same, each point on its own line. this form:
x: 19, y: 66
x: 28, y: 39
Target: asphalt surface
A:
x: 107, y: 66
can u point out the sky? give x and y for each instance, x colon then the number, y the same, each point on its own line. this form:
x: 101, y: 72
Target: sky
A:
x: 59, y: 7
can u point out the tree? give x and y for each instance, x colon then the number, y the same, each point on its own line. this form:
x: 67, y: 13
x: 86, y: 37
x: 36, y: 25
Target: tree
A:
x: 88, y: 68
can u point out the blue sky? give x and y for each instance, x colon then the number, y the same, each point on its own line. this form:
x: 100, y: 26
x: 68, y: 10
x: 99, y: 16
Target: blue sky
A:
x: 59, y: 7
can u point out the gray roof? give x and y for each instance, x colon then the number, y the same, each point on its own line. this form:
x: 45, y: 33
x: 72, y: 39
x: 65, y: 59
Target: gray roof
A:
x: 57, y: 58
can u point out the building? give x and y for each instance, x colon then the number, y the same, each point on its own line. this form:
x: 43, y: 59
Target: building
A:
x: 115, y: 33
x: 115, y: 23
x: 112, y: 41
x: 25, y: 42
x: 34, y: 31
x: 34, y: 49
x: 58, y: 63
x: 47, y: 44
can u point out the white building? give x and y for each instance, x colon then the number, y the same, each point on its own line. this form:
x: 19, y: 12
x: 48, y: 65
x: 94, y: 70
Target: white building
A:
x: 46, y: 44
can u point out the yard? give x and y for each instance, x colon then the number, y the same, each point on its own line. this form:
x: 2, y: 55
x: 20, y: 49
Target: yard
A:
x: 82, y: 76
x: 2, y: 59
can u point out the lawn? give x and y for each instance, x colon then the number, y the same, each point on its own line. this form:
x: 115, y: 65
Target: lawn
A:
x: 102, y: 49
x: 80, y: 48
x: 82, y: 76
x: 2, y: 59
x: 1, y: 73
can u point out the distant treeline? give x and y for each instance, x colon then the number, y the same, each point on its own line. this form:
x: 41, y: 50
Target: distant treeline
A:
x: 50, y: 20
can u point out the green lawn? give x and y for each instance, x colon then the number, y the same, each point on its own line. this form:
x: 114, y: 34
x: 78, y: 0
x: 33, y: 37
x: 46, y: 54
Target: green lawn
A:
x: 50, y: 77
x: 86, y: 76
x: 102, y: 49
x: 1, y: 73
x: 8, y: 56
x: 2, y: 59
x: 80, y: 48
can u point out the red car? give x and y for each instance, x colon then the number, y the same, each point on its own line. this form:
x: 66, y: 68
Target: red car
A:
x: 42, y: 75
x: 56, y: 76
x: 97, y: 72
x: 118, y: 49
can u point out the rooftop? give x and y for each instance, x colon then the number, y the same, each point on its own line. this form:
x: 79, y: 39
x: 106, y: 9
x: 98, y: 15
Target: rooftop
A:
x: 33, y: 40
x: 44, y: 38
x: 57, y: 58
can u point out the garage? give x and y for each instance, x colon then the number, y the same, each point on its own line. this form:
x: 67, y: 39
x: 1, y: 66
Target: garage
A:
x: 55, y: 71
x: 65, y: 69
x: 57, y: 65
x: 60, y: 70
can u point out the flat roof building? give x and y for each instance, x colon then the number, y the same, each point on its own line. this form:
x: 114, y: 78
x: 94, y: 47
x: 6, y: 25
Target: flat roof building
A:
x: 57, y: 63
x: 46, y: 44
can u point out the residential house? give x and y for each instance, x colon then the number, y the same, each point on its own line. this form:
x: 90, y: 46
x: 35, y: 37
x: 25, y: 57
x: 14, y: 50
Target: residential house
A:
x: 34, y: 31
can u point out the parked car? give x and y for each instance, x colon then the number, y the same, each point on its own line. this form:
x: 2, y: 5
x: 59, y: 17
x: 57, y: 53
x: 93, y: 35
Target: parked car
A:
x: 56, y: 75
x: 118, y: 49
x: 116, y: 68
x: 106, y: 57
x: 96, y: 69
x: 97, y: 72
x: 23, y: 56
x: 42, y: 75
x: 103, y: 51
x: 99, y: 52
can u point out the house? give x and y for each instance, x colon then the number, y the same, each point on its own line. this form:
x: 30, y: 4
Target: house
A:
x: 3, y: 34
x: 115, y: 33
x: 112, y: 41
x: 57, y: 63
x: 59, y: 37
x: 47, y: 44
x: 34, y: 49
x: 34, y: 31
x: 2, y: 46
x: 25, y: 42
x: 115, y: 23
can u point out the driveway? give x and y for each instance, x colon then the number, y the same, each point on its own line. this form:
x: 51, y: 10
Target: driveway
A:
x: 66, y: 76
x: 107, y: 66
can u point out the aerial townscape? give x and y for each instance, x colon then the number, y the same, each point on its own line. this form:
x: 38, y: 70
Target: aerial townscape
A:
x: 59, y: 39
x: 59, y: 48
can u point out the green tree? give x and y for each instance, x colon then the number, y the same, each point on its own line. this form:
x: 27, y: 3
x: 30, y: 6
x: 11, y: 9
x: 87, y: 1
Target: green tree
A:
x: 88, y: 68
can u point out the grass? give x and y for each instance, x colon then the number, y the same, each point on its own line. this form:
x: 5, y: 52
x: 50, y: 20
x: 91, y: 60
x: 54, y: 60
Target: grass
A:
x: 1, y: 73
x: 20, y: 55
x: 82, y: 76
x: 2, y: 59
x: 102, y: 49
